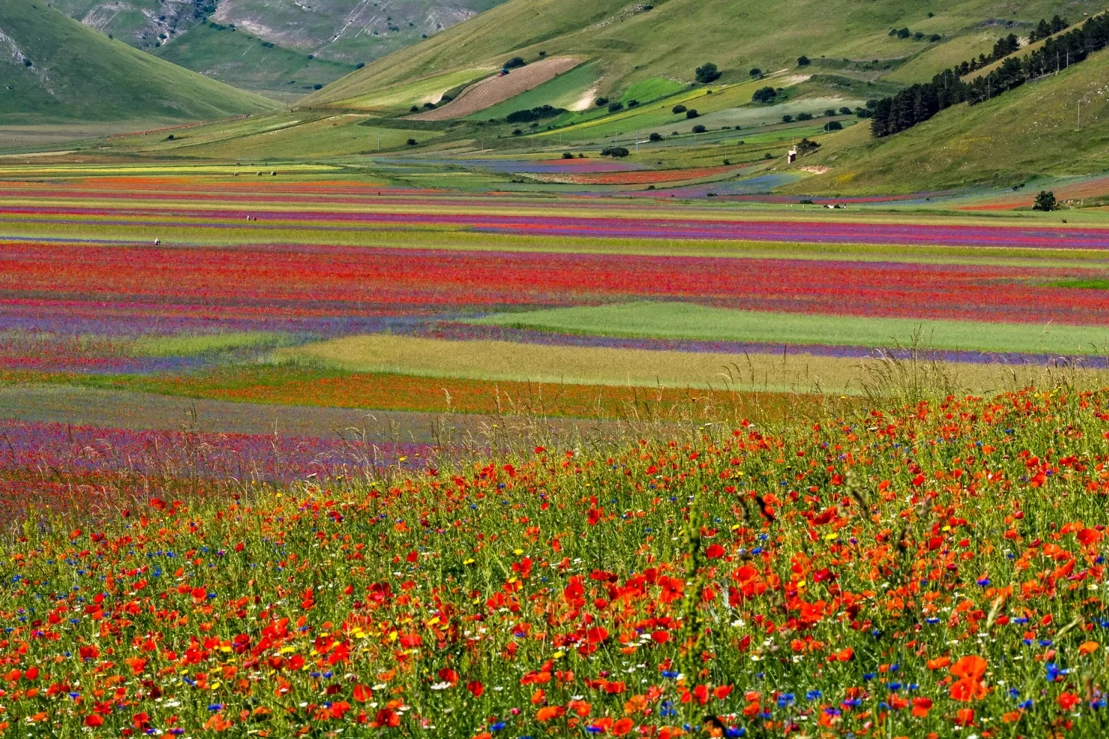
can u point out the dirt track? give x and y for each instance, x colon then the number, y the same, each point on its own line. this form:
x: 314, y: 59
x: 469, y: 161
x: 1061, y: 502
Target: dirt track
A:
x: 492, y: 90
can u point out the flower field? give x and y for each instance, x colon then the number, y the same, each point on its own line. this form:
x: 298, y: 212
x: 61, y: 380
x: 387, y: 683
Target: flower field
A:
x: 909, y: 572
x: 314, y: 452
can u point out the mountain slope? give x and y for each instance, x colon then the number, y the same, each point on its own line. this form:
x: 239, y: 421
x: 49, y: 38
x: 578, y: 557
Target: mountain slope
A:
x: 1025, y: 134
x: 636, y: 41
x: 53, y: 68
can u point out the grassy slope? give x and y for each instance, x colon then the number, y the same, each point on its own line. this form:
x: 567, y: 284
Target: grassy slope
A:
x: 1025, y: 134
x: 678, y: 35
x: 244, y: 61
x: 80, y: 74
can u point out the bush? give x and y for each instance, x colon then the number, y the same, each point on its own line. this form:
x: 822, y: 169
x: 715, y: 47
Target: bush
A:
x: 535, y: 114
x: 1045, y: 201
x: 833, y: 126
x: 678, y: 109
x: 707, y: 73
x: 414, y: 109
x: 802, y: 61
x: 614, y: 107
x: 904, y: 33
x: 691, y: 114
x: 633, y: 103
x: 845, y: 110
x: 765, y: 95
x: 27, y: 62
x: 787, y: 118
x: 614, y: 151
x: 567, y: 155
x: 411, y: 142
x: 755, y: 72
x: 317, y: 86
x: 359, y: 65
x: 601, y: 102
x: 829, y: 113
x: 515, y: 63
x: 655, y: 137
x: 804, y: 116
x: 699, y: 129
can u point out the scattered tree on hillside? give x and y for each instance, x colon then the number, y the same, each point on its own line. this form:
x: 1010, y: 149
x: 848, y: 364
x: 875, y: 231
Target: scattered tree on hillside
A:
x: 1045, y: 201
x: 601, y: 102
x: 699, y: 129
x: 833, y: 126
x: 765, y: 95
x: 802, y: 61
x: 755, y: 72
x: 691, y: 114
x: 655, y: 137
x: 707, y: 73
x: 804, y: 116
x: 679, y: 108
x: 614, y: 151
x: 806, y: 146
x: 411, y: 142
x: 787, y: 118
x: 515, y: 62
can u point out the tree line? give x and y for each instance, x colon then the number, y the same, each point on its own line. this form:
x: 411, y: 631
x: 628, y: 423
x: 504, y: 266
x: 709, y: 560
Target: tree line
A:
x: 920, y: 102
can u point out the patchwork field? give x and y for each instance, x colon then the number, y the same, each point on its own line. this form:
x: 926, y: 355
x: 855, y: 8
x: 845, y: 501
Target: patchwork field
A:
x: 301, y: 449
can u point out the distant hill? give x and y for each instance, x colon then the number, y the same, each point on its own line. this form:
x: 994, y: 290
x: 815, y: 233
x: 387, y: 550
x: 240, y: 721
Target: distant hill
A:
x: 282, y: 48
x: 632, y: 42
x: 54, y: 69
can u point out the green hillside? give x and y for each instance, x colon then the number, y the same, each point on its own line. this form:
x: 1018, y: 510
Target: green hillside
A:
x: 633, y: 42
x: 250, y: 63
x: 1026, y: 134
x: 54, y: 69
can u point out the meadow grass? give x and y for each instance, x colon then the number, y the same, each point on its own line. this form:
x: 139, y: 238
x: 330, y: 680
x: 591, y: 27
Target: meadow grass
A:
x: 677, y: 320
x: 741, y: 576
x: 185, y: 345
x: 509, y: 361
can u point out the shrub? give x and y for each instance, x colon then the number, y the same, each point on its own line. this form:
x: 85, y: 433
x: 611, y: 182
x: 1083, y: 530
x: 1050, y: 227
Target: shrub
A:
x: 517, y: 132
x: 359, y: 65
x: 755, y: 72
x: 707, y: 73
x: 679, y: 108
x: 27, y: 62
x: 535, y: 114
x: 655, y: 137
x: 845, y: 110
x: 567, y: 155
x: 317, y: 86
x: 904, y: 33
x: 614, y: 107
x: 765, y: 95
x: 829, y: 113
x: 691, y: 114
x: 414, y: 109
x: 935, y: 37
x: 1045, y: 201
x: 804, y: 116
x: 805, y: 146
x: 429, y: 106
x: 699, y: 129
x: 787, y: 118
x: 803, y: 61
x: 411, y: 142
x: 614, y: 151
x: 633, y: 103
x: 515, y: 63
x: 601, y: 102
x: 833, y: 126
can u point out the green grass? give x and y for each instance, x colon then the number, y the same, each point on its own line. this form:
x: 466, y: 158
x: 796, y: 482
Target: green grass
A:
x: 398, y: 98
x: 187, y: 345
x: 246, y: 62
x: 689, y: 321
x: 1082, y: 284
x: 80, y: 74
